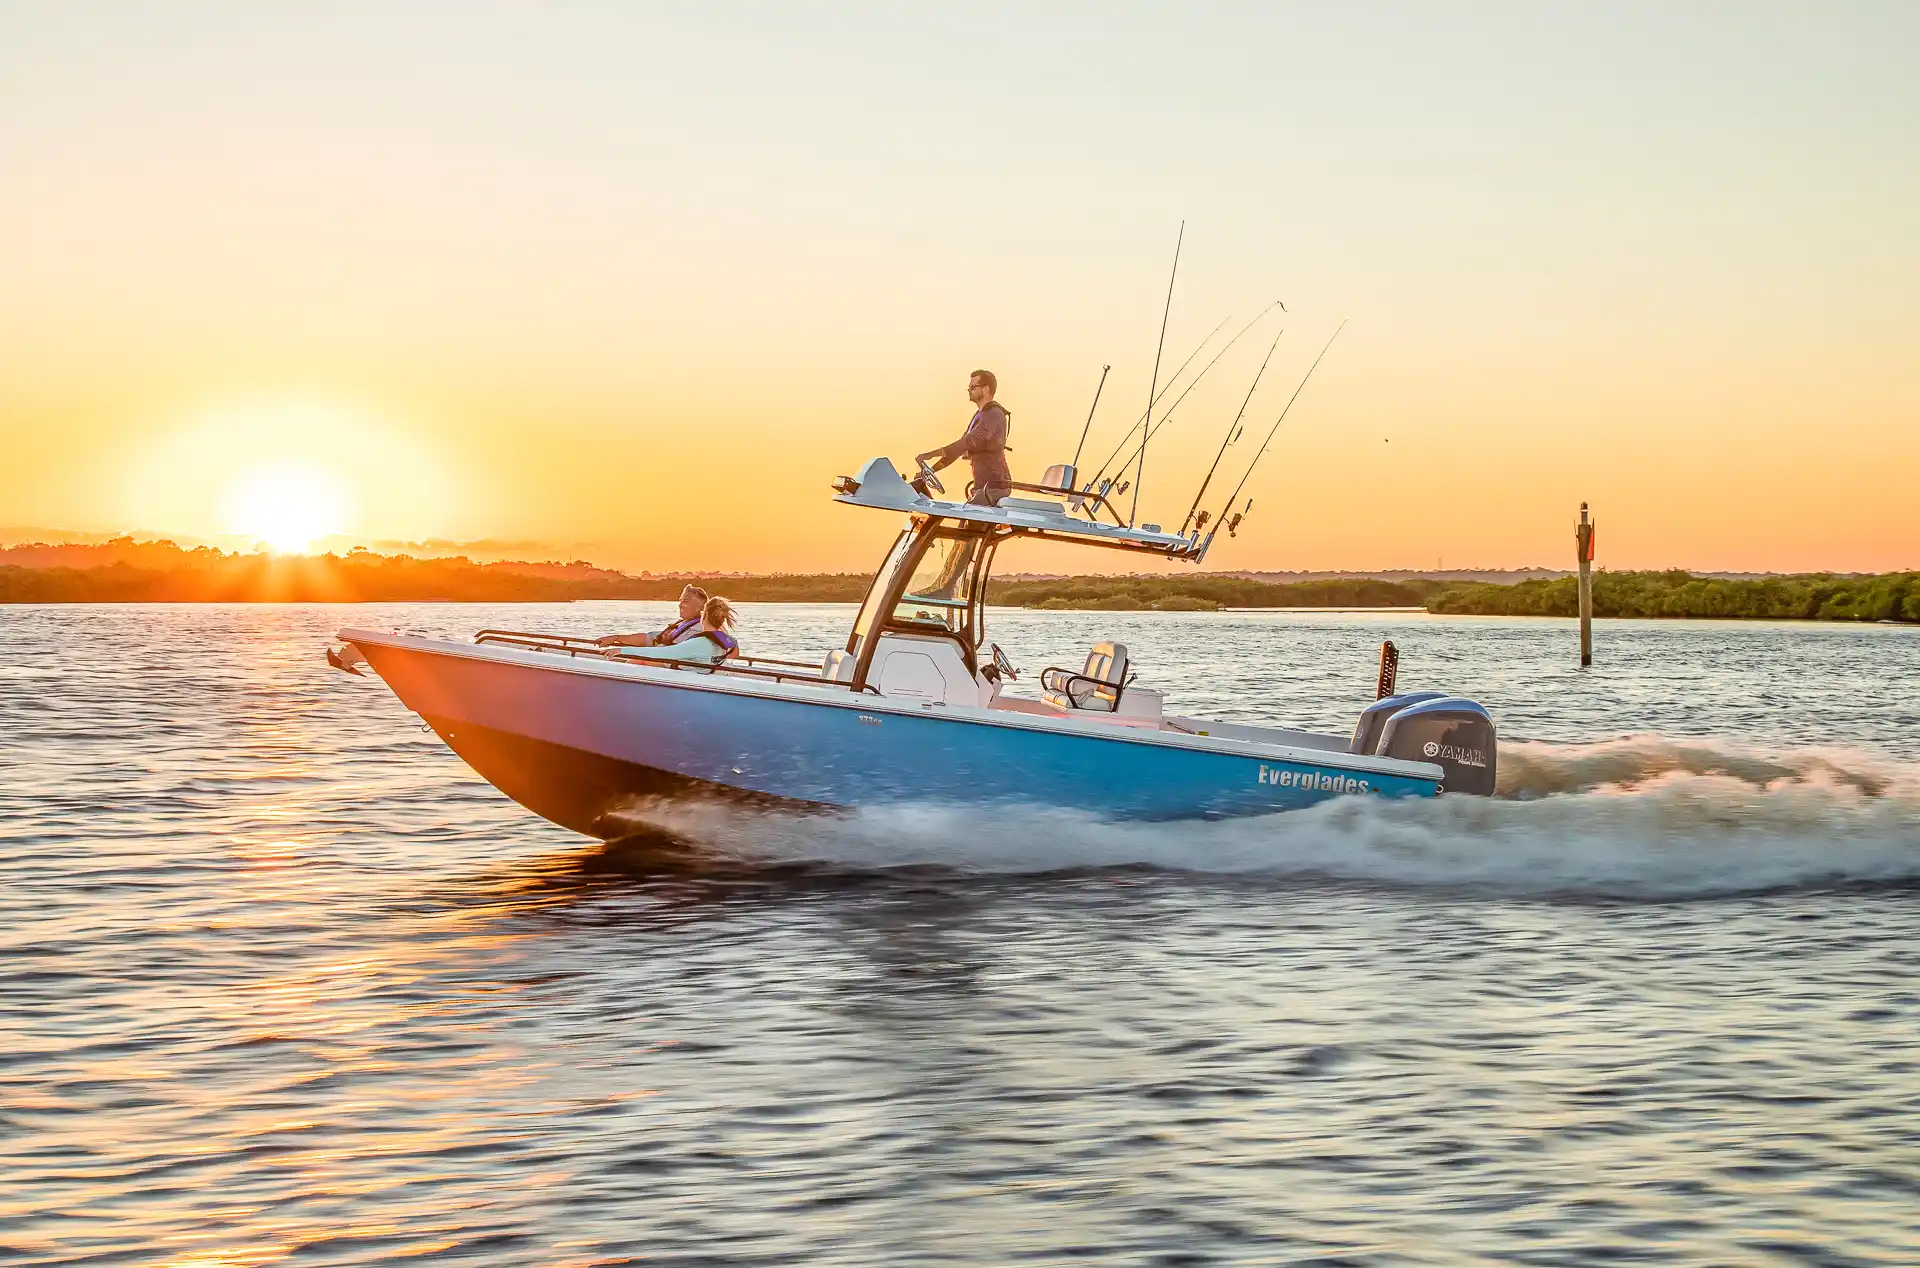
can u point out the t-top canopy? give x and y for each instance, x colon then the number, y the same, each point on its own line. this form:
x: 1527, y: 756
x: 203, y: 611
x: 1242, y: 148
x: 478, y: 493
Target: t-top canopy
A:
x: 880, y: 486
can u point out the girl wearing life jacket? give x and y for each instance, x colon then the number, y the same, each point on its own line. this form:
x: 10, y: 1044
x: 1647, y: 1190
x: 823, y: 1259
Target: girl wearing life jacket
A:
x: 709, y: 644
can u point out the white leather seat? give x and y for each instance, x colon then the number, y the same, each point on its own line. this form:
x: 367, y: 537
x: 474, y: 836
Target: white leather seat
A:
x: 1097, y: 687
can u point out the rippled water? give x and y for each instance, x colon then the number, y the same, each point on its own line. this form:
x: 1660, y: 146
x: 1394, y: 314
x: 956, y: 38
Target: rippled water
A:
x: 281, y: 979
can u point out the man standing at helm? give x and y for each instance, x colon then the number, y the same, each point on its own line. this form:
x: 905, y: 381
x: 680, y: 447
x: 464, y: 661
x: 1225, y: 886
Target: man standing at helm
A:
x: 984, y: 445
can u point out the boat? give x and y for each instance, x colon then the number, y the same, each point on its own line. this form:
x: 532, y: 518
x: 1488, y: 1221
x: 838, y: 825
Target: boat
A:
x: 913, y: 708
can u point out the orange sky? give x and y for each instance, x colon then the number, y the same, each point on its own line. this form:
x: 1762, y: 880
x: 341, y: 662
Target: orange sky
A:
x: 637, y: 286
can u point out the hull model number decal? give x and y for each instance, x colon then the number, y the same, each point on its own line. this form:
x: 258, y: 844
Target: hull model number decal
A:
x: 1319, y: 781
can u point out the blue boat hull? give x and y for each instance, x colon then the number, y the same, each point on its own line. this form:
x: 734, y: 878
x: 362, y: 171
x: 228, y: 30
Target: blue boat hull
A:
x: 575, y: 745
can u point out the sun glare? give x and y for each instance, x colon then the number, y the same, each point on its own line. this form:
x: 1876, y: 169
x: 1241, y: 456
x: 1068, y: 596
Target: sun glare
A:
x: 287, y: 506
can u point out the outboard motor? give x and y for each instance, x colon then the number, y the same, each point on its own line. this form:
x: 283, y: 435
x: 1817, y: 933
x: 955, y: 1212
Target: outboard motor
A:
x: 1452, y: 732
x: 1373, y: 719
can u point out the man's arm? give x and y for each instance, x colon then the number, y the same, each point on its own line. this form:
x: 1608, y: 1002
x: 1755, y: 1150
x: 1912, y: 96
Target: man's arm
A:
x: 949, y: 454
x: 625, y: 640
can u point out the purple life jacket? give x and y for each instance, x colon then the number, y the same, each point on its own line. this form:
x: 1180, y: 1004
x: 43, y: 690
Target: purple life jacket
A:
x: 729, y: 645
x: 675, y: 632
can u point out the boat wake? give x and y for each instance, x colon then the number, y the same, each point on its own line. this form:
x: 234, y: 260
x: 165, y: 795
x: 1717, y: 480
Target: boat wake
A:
x: 1642, y: 817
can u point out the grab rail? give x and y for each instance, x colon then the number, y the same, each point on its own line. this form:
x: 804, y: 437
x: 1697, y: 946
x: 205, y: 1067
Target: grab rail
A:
x: 588, y: 644
x: 575, y: 646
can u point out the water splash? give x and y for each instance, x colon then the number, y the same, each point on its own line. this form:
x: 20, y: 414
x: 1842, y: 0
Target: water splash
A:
x: 1641, y: 817
x: 1533, y: 770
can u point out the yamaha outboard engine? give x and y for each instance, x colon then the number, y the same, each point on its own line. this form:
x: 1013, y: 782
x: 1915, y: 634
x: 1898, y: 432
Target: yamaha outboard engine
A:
x: 1452, y: 732
x: 1373, y: 719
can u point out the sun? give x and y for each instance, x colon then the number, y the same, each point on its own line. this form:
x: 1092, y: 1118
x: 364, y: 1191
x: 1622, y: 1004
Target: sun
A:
x: 287, y: 505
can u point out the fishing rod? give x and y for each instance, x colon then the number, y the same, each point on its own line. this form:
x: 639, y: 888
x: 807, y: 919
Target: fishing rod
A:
x: 1084, y: 430
x: 1195, y: 382
x: 1233, y: 522
x: 1230, y: 437
x: 1153, y: 389
x: 1168, y: 416
x: 1163, y: 391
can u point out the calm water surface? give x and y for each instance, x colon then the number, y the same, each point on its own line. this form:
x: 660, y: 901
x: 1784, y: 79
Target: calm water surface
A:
x: 281, y: 980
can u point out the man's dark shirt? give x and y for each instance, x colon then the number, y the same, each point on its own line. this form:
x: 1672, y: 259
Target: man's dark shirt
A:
x: 985, y: 447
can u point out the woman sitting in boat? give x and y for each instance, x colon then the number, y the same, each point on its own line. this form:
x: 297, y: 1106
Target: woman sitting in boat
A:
x: 692, y: 601
x: 708, y: 644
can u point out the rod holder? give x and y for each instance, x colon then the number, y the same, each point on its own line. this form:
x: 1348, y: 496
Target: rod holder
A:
x: 1389, y: 670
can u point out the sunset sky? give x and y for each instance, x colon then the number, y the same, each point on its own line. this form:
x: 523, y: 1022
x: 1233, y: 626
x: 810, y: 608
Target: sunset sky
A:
x: 636, y: 282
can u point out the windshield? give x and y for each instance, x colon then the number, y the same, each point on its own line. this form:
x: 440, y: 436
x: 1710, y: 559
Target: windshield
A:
x: 877, y: 593
x: 940, y: 592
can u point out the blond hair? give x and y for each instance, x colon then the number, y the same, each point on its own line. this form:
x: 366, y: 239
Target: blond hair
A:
x: 719, y: 613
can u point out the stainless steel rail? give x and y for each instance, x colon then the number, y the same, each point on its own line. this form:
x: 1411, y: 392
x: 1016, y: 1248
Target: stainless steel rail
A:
x: 573, y: 646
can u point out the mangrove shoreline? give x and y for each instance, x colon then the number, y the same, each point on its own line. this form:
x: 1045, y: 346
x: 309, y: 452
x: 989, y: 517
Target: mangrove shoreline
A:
x: 160, y: 572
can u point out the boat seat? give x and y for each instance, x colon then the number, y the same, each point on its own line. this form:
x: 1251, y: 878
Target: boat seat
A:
x: 1032, y: 504
x: 1097, y: 687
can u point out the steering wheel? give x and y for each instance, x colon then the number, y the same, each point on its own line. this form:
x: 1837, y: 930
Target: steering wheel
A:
x: 927, y: 480
x: 1004, y: 663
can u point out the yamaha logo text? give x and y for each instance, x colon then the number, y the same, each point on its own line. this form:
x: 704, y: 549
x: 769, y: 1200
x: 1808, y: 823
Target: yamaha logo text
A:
x: 1454, y: 753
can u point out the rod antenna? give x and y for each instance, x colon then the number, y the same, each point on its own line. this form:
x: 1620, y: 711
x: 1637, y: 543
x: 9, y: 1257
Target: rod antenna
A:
x: 1228, y: 438
x: 1269, y: 440
x: 1140, y: 472
x: 1089, y: 427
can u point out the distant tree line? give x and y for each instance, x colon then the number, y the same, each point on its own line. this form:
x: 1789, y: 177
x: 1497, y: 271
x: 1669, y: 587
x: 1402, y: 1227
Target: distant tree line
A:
x: 124, y: 571
x: 1673, y: 594
x: 149, y: 572
x: 1201, y: 591
x: 1893, y: 596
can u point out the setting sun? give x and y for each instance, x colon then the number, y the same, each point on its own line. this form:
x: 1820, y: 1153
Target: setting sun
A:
x: 287, y: 506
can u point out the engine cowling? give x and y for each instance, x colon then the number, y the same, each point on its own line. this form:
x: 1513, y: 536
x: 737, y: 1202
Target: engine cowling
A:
x: 1373, y: 719
x: 1453, y: 733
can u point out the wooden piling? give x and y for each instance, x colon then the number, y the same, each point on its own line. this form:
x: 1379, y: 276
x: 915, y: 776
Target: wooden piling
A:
x: 1583, y: 540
